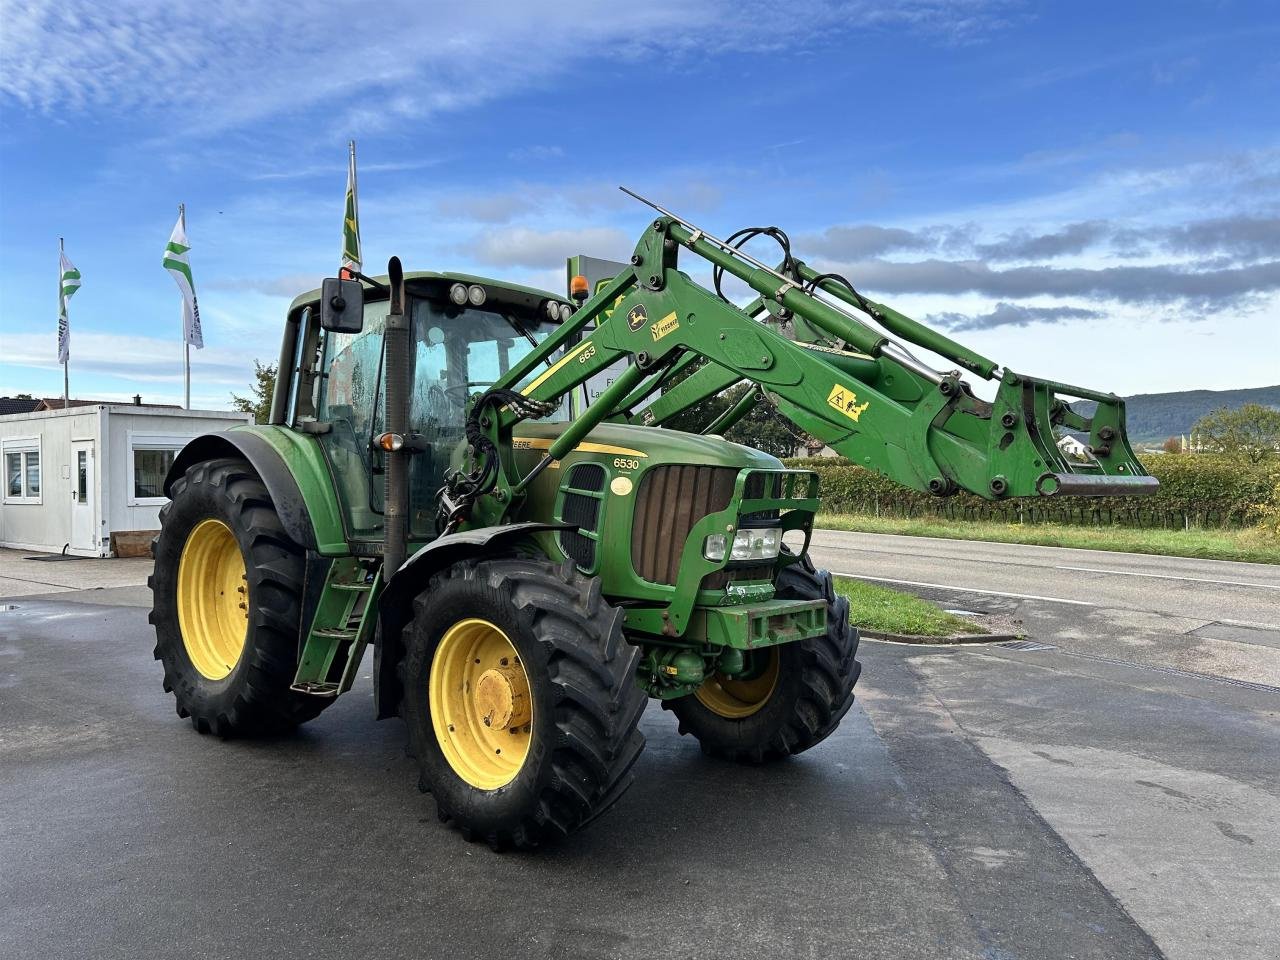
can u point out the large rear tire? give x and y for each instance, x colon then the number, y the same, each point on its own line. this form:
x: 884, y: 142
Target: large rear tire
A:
x: 792, y: 697
x: 521, y: 700
x: 226, y: 604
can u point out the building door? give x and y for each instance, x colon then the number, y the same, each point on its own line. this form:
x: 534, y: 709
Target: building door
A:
x: 84, y: 520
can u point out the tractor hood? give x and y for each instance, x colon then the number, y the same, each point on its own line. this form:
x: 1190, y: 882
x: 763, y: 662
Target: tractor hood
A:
x: 651, y: 445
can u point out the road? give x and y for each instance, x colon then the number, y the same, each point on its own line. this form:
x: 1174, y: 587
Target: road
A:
x: 1214, y: 617
x: 978, y: 802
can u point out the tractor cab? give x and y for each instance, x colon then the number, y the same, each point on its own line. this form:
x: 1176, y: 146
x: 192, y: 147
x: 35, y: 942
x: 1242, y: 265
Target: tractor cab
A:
x: 465, y: 333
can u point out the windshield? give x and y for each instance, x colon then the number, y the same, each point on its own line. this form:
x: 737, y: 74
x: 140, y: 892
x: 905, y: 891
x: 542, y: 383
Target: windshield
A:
x: 458, y: 352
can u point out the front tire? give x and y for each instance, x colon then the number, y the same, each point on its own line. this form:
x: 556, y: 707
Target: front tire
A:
x: 226, y: 604
x: 521, y: 700
x: 793, y: 695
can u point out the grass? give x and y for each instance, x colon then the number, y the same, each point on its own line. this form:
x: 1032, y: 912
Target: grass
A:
x: 888, y: 611
x: 1250, y: 545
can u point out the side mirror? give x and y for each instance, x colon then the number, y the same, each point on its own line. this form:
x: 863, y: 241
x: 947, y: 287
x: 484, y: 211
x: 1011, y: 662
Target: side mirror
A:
x: 342, y: 305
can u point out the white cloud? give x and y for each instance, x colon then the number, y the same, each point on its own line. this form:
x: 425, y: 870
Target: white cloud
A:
x: 136, y: 359
x: 543, y: 249
x: 229, y: 65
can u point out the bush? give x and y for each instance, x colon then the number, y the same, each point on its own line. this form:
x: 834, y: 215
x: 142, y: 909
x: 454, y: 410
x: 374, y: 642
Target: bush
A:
x: 1201, y: 491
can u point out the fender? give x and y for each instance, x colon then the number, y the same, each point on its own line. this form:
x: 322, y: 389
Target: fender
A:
x: 395, y: 607
x: 293, y: 469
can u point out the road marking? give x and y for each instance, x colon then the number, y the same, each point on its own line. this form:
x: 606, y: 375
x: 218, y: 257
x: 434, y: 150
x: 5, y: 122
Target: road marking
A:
x: 948, y: 586
x: 1169, y: 576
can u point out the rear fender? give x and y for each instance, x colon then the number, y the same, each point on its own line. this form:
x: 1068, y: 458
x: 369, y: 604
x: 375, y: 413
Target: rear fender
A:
x: 294, y: 471
x: 395, y: 607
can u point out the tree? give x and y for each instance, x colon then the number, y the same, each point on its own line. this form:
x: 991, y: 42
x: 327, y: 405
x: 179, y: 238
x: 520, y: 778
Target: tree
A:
x: 1172, y: 445
x: 264, y: 385
x: 763, y: 428
x: 1251, y: 432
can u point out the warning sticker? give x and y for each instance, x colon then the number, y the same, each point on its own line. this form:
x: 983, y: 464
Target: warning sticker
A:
x: 846, y: 401
x: 668, y: 324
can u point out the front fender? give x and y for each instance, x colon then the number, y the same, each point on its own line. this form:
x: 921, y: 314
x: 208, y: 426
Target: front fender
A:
x: 293, y: 468
x: 395, y: 607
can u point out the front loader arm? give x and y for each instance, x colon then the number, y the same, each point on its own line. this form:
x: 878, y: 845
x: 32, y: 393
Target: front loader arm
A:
x: 841, y: 380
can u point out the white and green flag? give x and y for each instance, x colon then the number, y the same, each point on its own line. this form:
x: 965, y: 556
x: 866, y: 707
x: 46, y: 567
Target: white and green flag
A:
x: 179, y: 267
x: 68, y: 284
x: 351, y: 259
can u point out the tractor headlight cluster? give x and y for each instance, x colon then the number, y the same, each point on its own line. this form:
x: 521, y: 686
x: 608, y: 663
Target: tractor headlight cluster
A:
x: 557, y: 312
x: 749, y: 543
x: 461, y: 294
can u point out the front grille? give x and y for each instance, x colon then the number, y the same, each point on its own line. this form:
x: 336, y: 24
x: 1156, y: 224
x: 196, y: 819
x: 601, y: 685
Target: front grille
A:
x: 671, y: 499
x: 583, y: 511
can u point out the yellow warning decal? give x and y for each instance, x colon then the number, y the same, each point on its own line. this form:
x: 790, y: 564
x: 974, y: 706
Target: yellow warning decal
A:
x: 668, y: 324
x: 846, y: 401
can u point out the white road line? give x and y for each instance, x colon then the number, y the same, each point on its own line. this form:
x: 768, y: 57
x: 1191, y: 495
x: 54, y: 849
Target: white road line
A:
x: 1169, y: 576
x: 949, y: 586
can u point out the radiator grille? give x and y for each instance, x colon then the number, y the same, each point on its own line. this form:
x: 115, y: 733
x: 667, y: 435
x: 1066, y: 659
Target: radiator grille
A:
x: 670, y: 501
x: 583, y: 511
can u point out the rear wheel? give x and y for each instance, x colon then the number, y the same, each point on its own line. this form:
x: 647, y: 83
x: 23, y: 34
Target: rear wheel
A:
x: 521, y: 700
x: 791, y: 697
x: 226, y: 604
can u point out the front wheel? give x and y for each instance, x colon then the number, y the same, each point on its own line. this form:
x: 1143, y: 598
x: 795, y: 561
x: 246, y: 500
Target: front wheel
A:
x: 790, y: 697
x: 521, y: 700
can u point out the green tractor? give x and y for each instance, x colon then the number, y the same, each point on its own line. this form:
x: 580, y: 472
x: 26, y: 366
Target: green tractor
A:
x: 532, y: 562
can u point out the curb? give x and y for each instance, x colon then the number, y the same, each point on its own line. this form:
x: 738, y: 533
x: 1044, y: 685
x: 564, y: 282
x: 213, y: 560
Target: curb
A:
x: 963, y: 640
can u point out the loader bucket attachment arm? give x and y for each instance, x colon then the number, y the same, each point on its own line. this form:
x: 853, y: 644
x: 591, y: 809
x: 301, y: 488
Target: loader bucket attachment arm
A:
x: 837, y: 377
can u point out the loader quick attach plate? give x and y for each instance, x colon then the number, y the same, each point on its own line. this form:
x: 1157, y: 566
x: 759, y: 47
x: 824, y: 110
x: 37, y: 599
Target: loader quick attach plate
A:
x: 754, y: 625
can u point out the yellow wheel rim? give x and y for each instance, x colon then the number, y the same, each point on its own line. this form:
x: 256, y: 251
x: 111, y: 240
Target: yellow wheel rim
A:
x: 213, y: 599
x: 481, y: 708
x: 735, y: 699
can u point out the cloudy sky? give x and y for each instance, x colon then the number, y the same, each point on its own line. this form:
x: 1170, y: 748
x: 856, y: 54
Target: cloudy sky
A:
x: 1085, y: 191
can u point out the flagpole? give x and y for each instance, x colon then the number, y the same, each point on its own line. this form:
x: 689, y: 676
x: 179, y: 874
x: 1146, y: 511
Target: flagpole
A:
x: 66, y: 379
x: 186, y: 344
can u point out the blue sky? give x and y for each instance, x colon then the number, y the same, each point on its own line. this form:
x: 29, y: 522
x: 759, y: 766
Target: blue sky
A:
x: 1085, y: 191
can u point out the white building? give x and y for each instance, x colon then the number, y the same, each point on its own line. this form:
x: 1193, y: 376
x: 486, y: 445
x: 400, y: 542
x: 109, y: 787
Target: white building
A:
x: 74, y: 477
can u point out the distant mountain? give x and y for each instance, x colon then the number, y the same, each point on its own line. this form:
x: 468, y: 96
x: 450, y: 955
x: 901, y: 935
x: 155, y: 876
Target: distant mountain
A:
x: 1156, y: 416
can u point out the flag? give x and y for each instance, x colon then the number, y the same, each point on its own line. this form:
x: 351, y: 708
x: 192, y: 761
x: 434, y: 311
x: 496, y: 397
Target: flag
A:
x: 68, y: 284
x: 351, y: 219
x: 175, y: 261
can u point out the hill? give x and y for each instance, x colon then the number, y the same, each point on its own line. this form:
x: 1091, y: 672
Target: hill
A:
x: 1155, y: 416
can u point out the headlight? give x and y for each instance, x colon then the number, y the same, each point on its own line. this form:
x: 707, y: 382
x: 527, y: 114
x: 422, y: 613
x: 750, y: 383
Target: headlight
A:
x: 458, y: 294
x: 749, y: 543
x: 475, y: 293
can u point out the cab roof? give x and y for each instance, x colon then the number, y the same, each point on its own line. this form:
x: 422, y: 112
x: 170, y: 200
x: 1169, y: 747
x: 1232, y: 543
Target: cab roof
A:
x: 312, y: 295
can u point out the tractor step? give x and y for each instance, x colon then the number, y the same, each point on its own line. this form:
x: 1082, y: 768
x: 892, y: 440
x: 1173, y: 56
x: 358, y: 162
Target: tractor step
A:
x: 317, y: 689
x: 334, y: 633
x: 339, y: 631
x: 351, y: 587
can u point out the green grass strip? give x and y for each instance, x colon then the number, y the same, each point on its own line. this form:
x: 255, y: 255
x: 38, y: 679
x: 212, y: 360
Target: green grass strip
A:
x: 873, y: 607
x: 1249, y: 545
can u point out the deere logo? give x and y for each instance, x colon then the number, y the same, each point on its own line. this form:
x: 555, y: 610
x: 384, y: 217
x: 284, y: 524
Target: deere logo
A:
x: 846, y: 401
x: 668, y: 324
x: 638, y: 317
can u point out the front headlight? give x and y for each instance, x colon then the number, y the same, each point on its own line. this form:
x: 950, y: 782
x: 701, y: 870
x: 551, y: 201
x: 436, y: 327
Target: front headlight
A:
x: 749, y: 543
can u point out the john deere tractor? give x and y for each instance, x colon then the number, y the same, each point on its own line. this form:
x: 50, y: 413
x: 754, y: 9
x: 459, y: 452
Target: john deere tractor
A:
x: 531, y: 561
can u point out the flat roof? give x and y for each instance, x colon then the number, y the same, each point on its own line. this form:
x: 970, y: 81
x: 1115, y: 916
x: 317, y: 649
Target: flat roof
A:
x: 128, y: 408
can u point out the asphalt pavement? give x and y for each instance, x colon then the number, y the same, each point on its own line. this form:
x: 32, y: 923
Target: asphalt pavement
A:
x: 978, y: 802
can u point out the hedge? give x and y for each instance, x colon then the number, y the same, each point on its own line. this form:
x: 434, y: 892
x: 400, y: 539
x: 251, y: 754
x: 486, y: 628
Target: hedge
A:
x: 1195, y: 490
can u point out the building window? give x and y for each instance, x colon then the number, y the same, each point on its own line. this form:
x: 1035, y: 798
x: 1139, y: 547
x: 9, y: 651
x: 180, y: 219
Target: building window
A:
x: 151, y: 457
x: 150, y: 467
x: 82, y: 476
x: 22, y: 470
